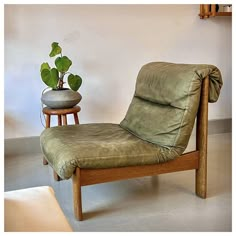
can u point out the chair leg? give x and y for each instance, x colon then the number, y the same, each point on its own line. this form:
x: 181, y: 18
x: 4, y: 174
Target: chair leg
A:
x: 201, y: 177
x: 201, y: 172
x: 202, y: 133
x: 77, y: 195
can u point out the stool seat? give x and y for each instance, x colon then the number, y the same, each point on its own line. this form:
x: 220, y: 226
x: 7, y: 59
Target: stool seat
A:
x: 51, y: 111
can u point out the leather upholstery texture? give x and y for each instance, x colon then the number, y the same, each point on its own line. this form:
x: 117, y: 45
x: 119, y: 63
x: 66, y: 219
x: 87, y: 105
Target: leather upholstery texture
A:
x: 166, y: 102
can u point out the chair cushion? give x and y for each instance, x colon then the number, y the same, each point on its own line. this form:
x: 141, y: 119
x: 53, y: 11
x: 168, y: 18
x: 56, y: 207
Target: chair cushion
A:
x: 166, y: 101
x: 97, y: 146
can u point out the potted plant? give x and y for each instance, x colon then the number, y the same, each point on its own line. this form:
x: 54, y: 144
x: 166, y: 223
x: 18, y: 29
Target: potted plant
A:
x: 53, y: 77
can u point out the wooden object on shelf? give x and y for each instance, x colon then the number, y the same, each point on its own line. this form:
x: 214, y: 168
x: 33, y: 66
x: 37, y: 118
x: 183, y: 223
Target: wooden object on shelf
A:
x: 47, y: 111
x: 209, y: 10
x: 195, y: 160
x: 201, y: 14
x: 206, y: 10
x: 213, y: 9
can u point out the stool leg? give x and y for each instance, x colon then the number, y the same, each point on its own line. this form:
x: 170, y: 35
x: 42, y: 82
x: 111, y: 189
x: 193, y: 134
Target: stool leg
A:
x: 59, y: 120
x: 76, y: 118
x: 64, y: 119
x: 48, y: 119
x: 45, y: 162
x: 56, y: 176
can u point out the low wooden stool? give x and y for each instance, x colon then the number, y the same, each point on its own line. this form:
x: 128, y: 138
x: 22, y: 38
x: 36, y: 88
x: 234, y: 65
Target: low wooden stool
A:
x: 47, y: 111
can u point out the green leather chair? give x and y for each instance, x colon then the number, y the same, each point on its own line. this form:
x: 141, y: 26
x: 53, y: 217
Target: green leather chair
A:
x: 152, y: 137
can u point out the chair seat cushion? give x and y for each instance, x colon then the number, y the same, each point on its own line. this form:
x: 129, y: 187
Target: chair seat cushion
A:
x: 102, y: 145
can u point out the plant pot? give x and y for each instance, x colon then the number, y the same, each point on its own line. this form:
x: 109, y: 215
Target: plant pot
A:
x: 61, y: 98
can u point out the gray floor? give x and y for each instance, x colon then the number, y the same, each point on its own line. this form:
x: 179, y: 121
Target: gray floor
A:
x: 160, y: 203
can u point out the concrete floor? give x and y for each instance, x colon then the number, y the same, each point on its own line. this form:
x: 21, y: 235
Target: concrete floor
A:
x: 160, y: 203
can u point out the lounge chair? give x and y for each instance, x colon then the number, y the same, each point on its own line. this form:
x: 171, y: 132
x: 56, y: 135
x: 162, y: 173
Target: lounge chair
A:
x: 152, y: 137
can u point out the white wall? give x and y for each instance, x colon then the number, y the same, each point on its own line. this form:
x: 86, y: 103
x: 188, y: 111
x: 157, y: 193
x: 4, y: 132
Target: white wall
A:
x: 107, y: 44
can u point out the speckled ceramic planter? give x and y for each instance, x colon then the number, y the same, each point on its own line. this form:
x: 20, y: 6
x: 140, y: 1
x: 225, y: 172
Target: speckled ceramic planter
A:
x: 64, y: 98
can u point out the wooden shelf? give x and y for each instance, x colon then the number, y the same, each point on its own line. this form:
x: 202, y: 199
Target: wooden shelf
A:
x: 223, y: 13
x: 209, y: 10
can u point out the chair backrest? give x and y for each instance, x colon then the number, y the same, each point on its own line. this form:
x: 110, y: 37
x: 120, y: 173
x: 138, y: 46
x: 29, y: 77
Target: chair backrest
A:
x: 166, y: 101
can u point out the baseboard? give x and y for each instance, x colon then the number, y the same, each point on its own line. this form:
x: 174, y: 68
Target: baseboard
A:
x: 218, y: 126
x: 21, y: 146
x: 27, y: 145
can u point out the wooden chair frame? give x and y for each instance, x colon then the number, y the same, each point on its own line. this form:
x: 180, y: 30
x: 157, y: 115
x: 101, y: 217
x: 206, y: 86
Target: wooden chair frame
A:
x: 195, y: 160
